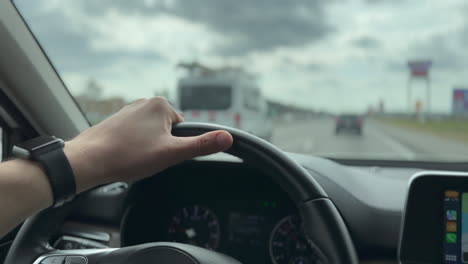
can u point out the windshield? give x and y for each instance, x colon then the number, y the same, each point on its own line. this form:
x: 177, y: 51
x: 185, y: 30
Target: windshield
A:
x: 291, y: 72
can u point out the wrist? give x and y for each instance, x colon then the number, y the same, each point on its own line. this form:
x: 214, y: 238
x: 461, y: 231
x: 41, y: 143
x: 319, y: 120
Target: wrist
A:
x: 87, y: 165
x: 77, y: 159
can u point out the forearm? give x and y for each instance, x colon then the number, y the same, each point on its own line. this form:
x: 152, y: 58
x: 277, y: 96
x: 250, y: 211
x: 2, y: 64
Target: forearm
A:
x: 24, y: 190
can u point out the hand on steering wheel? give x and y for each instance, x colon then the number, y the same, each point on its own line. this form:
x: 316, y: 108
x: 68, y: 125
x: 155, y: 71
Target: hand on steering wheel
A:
x: 136, y: 143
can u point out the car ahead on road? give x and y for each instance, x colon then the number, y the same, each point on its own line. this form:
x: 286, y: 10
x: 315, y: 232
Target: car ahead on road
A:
x: 352, y: 123
x: 269, y: 205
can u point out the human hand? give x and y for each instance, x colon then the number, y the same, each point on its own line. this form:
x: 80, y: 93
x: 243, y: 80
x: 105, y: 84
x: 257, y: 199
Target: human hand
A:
x: 135, y: 143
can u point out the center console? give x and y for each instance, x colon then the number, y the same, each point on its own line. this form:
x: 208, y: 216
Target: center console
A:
x: 435, y: 220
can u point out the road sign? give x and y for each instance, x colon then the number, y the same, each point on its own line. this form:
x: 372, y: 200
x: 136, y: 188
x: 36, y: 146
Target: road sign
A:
x: 460, y: 101
x: 420, y: 68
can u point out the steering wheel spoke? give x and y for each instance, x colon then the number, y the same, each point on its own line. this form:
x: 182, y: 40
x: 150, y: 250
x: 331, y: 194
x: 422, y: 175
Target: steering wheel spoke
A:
x: 75, y: 256
x: 162, y: 252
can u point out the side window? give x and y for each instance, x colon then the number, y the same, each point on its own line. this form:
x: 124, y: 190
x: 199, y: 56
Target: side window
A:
x: 252, y: 99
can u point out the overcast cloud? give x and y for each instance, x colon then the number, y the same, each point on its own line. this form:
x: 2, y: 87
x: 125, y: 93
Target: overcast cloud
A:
x: 252, y: 25
x: 326, y: 55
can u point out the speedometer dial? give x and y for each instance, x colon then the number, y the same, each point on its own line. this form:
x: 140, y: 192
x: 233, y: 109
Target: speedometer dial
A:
x: 288, y: 244
x: 195, y: 225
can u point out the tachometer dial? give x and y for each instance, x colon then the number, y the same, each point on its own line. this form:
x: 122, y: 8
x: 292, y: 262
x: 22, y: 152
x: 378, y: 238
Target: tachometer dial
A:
x: 195, y: 225
x: 288, y: 244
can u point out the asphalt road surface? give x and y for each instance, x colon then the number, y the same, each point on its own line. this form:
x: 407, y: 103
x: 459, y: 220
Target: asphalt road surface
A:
x: 378, y: 140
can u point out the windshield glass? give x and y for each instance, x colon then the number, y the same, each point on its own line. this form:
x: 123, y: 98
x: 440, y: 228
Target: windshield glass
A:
x: 357, y: 79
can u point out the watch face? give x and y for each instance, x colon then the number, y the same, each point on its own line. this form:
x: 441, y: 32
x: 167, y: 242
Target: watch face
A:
x: 39, y: 142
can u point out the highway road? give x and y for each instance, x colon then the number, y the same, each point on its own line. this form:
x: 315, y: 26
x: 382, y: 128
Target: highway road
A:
x: 378, y: 141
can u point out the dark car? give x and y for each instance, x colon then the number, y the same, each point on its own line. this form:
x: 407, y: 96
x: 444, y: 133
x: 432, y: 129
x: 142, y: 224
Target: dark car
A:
x: 352, y: 123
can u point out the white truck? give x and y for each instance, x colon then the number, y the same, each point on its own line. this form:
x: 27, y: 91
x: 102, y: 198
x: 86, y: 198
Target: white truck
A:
x: 225, y: 98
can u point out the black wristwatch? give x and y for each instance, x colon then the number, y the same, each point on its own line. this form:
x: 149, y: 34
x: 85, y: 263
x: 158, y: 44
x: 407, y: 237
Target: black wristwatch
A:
x: 48, y: 151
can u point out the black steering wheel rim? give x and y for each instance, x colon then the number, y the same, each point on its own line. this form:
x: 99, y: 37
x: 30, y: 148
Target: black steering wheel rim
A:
x: 323, y: 224
x: 265, y: 156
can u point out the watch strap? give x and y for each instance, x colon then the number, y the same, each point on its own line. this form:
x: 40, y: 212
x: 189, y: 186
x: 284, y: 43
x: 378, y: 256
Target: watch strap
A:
x: 60, y: 174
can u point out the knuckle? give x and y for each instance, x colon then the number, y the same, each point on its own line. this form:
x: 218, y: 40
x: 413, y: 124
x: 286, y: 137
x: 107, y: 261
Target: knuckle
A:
x: 159, y: 99
x: 158, y: 103
x: 202, y: 144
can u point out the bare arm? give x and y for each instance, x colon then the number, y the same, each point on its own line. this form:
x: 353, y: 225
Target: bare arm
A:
x: 132, y: 144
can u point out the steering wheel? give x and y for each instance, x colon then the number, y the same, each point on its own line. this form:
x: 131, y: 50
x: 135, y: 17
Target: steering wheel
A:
x: 323, y: 225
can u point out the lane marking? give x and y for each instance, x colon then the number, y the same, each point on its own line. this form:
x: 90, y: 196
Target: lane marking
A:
x: 394, y: 144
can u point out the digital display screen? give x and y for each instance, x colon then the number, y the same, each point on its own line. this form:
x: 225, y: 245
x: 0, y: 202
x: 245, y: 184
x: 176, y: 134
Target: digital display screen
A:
x: 248, y: 236
x: 246, y: 229
x: 455, y: 226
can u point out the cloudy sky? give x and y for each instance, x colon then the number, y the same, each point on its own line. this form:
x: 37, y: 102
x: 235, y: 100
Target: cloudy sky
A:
x: 333, y: 55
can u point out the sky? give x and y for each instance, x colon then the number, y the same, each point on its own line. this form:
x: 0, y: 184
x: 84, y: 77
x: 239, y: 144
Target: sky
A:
x: 329, y: 55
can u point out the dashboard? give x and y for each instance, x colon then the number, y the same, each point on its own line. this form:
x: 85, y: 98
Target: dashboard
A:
x: 231, y: 209
x: 247, y: 208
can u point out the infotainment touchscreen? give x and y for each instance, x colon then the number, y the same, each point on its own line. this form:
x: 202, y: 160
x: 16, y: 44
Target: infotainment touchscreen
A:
x: 435, y: 219
x: 455, y: 226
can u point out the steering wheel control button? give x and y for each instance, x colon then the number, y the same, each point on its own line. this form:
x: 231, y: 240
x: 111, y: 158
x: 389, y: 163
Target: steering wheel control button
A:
x: 76, y: 260
x: 53, y: 260
x: 70, y: 242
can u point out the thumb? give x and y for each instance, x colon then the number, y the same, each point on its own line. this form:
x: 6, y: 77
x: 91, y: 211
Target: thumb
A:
x: 208, y: 143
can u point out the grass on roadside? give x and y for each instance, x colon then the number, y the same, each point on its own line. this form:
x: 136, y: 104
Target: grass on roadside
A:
x: 448, y: 128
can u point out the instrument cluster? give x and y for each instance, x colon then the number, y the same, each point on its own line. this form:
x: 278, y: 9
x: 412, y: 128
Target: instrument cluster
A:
x: 240, y: 213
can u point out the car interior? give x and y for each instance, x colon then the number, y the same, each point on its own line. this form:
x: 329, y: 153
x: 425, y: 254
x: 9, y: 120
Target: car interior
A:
x: 256, y: 203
